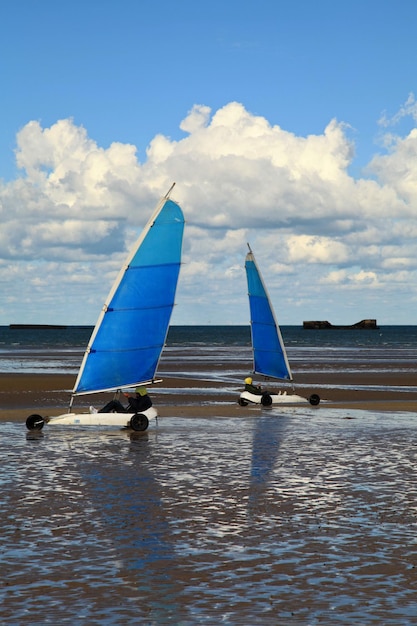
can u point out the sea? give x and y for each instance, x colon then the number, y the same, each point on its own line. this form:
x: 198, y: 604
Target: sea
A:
x: 291, y: 516
x: 221, y: 356
x: 44, y: 350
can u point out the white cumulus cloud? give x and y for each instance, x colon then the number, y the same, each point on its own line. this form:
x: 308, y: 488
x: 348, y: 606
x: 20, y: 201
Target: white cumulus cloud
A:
x: 318, y: 233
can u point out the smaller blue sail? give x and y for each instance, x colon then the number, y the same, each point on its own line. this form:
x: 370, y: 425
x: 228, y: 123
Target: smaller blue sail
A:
x: 269, y: 355
x: 130, y: 334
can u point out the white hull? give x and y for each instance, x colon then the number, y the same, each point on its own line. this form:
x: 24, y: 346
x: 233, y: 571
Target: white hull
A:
x: 282, y: 397
x: 137, y: 421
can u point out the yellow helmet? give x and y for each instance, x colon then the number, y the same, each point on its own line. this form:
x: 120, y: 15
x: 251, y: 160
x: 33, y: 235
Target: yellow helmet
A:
x: 248, y: 380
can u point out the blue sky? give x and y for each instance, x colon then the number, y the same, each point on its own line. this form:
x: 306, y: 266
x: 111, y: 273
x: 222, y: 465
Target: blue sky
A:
x: 287, y: 124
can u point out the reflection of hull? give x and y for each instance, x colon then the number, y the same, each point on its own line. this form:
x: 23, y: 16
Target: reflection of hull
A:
x: 137, y: 421
x: 282, y: 397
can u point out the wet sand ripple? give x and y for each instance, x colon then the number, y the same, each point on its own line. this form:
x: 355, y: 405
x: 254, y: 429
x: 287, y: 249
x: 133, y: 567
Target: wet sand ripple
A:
x: 296, y: 516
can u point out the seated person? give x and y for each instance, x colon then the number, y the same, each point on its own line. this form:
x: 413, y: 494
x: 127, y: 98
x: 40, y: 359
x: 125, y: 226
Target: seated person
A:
x: 140, y: 401
x: 137, y: 402
x: 255, y: 389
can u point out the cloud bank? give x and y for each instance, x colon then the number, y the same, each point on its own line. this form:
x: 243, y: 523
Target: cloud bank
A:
x: 330, y: 246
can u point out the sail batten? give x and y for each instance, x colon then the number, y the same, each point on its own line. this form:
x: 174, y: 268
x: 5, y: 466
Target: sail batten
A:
x: 269, y: 354
x: 130, y: 334
x: 118, y: 351
x: 142, y: 308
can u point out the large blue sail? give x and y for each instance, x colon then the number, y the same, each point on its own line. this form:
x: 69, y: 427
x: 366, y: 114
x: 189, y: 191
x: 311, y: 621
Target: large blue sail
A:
x: 269, y: 355
x: 126, y: 344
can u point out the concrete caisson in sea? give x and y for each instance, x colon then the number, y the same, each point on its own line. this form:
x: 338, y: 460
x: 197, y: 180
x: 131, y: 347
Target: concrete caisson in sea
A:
x: 368, y: 324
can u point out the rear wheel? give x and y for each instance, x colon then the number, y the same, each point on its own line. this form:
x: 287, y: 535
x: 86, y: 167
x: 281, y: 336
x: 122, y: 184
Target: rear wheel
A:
x: 242, y: 402
x: 139, y: 422
x: 35, y: 422
x: 266, y: 400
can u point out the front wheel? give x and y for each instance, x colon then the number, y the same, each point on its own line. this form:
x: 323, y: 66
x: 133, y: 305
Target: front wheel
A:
x: 139, y: 422
x: 35, y: 422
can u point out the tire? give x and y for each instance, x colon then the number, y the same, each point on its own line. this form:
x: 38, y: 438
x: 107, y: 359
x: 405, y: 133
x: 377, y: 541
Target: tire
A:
x: 266, y: 400
x: 35, y: 422
x: 314, y: 399
x: 139, y: 422
x: 242, y: 402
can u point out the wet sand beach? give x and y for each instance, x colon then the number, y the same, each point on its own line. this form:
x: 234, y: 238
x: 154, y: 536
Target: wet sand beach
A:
x: 218, y: 514
x: 200, y: 395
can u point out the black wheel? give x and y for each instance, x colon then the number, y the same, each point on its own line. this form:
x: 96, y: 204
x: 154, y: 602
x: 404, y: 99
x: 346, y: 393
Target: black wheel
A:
x: 35, y: 422
x: 242, y: 402
x: 314, y: 399
x: 139, y: 421
x: 266, y: 400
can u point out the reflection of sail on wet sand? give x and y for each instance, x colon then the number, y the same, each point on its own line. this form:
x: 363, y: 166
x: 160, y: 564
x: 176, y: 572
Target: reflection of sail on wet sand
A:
x: 267, y: 438
x: 130, y: 506
x: 56, y: 552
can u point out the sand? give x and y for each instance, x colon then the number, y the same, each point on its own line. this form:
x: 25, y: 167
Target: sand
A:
x: 267, y: 521
x: 23, y: 394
